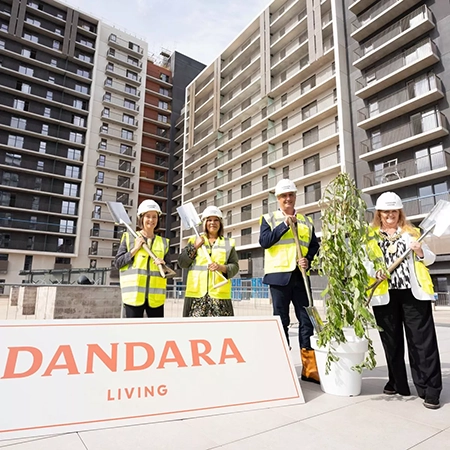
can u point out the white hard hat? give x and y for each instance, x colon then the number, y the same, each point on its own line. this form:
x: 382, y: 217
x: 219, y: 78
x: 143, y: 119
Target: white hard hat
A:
x: 388, y: 201
x: 148, y: 205
x: 212, y: 211
x: 284, y: 186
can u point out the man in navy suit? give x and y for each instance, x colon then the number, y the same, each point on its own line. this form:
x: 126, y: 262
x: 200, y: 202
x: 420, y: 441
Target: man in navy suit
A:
x: 281, y: 268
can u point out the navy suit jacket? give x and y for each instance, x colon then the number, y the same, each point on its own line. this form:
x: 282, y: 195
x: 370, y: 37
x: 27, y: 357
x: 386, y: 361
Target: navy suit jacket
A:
x: 269, y: 237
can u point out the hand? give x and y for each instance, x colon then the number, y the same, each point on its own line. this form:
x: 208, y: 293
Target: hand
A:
x: 199, y: 242
x: 213, y: 266
x: 303, y: 263
x: 138, y: 243
x: 290, y: 219
x: 380, y: 275
x: 159, y: 261
x: 416, y: 247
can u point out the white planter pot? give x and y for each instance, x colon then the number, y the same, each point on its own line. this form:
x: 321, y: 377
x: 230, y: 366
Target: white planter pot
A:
x: 341, y: 379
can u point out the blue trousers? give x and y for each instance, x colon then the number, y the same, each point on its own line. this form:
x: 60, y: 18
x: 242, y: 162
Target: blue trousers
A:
x: 293, y: 292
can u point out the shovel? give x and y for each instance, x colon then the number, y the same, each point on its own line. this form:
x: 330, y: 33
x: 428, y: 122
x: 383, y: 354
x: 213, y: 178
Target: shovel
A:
x: 437, y: 221
x: 120, y: 216
x: 190, y: 219
x: 313, y: 314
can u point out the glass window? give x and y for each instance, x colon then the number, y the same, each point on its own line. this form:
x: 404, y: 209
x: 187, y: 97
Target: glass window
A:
x: 70, y: 189
x: 15, y: 141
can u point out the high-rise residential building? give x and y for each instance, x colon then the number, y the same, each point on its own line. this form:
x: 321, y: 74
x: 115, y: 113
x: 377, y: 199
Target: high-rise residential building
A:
x: 85, y: 119
x: 312, y: 88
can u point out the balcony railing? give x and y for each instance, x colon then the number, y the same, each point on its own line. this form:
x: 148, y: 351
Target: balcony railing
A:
x: 418, y: 124
x: 410, y: 56
x: 407, y: 169
x: 402, y: 27
x: 418, y: 87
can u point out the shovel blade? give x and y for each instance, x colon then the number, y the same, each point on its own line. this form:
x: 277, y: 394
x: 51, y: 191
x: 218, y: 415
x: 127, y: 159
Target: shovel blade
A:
x: 438, y: 219
x: 315, y: 318
x: 118, y: 213
x: 188, y: 215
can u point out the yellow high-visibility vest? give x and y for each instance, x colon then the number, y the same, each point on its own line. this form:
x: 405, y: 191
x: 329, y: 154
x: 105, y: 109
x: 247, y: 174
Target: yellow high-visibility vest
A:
x: 282, y: 256
x: 200, y: 280
x: 141, y: 279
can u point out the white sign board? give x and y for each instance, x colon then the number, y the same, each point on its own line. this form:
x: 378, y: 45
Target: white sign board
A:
x: 65, y: 376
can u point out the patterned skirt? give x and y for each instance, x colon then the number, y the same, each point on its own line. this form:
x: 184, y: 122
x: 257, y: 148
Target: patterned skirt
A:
x: 207, y: 307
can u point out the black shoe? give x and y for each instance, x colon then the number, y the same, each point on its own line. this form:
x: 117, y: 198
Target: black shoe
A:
x: 431, y: 402
x: 389, y: 390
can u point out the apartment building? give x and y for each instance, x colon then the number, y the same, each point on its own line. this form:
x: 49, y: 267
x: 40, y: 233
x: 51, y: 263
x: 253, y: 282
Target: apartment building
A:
x: 85, y: 120
x: 399, y: 78
x: 311, y: 88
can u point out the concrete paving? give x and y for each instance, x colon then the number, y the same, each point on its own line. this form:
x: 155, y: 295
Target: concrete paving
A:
x: 371, y: 420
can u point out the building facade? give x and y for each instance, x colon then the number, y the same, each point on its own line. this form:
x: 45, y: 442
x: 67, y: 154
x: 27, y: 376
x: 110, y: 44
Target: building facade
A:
x: 312, y: 88
x: 86, y: 119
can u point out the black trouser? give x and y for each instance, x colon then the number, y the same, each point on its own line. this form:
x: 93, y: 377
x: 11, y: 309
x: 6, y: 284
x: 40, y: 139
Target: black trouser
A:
x: 132, y: 312
x: 416, y: 317
x: 281, y: 299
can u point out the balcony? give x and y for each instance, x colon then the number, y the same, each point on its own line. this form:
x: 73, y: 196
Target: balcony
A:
x: 284, y: 14
x: 396, y: 175
x: 234, y: 79
x: 111, y: 55
x: 291, y: 53
x: 125, y: 45
x: 249, y: 46
x: 116, y: 134
x: 416, y: 94
x: 119, y: 119
x: 378, y: 16
x: 396, y: 36
x: 423, y: 205
x: 360, y: 5
x: 125, y: 151
x: 416, y: 58
x: 287, y: 33
x: 120, y: 166
x: 102, y: 252
x: 421, y: 128
x: 119, y: 197
x: 106, y: 234
x: 120, y: 88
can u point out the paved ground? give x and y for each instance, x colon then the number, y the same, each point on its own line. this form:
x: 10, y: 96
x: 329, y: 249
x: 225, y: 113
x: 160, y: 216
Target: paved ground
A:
x: 369, y: 421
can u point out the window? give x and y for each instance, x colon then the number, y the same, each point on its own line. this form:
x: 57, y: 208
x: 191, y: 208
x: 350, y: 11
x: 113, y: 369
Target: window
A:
x: 17, y: 122
x: 285, y: 147
x: 33, y: 222
x: 74, y: 154
x: 246, y: 212
x: 283, y: 99
x: 58, y: 31
x: 265, y: 206
x: 42, y: 147
x: 101, y: 160
x: 97, y: 212
x: 2, y: 43
x: 246, y: 236
x: 13, y: 159
x: 311, y: 164
x: 128, y: 119
x: 40, y: 166
x: 133, y: 46
x: 33, y: 21
x: 76, y: 137
x: 130, y: 89
x: 164, y: 91
x: 309, y: 110
x: 265, y: 182
x: 430, y: 195
x: 125, y: 149
x: 429, y: 158
x: 83, y: 57
x: 246, y: 124
x: 53, y: 62
x: 80, y: 104
x: 26, y: 70
x: 100, y: 177
x: 44, y: 131
x: 164, y: 77
x: 98, y: 195
x: 79, y: 121
x: 129, y: 104
x: 286, y: 172
x: 309, y: 84
x: 132, y: 75
x: 246, y: 145
x: 126, y: 134
x: 163, y: 105
x: 108, y: 81
x: 133, y: 61
x: 316, y: 218
x: 310, y: 136
x: 246, y: 167
x: 82, y: 88
x: 84, y: 73
x: 284, y: 124
x: 28, y: 262
x: 110, y: 67
x: 10, y: 179
x: 162, y: 118
x: 15, y: 141
x: 68, y: 207
x: 49, y: 95
x: 38, y: 184
x: 375, y: 139
x: 30, y: 37
x: 70, y: 189
x: 312, y: 193
x: 23, y: 87
x: 28, y: 53
x: 66, y: 226
x: 72, y: 171
x: 51, y: 79
x: 106, y: 112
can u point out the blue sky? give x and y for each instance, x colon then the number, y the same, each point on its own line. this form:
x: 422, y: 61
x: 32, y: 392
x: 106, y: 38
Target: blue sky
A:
x: 200, y: 29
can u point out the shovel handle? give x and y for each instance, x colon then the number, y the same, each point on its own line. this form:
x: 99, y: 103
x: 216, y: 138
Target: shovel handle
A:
x: 300, y: 255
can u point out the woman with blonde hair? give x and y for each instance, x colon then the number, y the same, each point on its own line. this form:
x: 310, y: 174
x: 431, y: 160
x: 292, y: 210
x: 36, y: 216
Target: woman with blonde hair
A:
x: 402, y: 303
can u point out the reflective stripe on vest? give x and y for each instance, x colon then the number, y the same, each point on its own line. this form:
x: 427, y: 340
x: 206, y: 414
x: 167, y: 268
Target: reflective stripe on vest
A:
x: 282, y: 256
x: 200, y: 280
x: 141, y: 278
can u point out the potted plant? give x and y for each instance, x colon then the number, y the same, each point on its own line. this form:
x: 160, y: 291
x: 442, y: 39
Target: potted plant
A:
x: 343, y: 346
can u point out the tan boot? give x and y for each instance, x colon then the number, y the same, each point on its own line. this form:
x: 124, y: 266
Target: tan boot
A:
x: 309, y: 369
